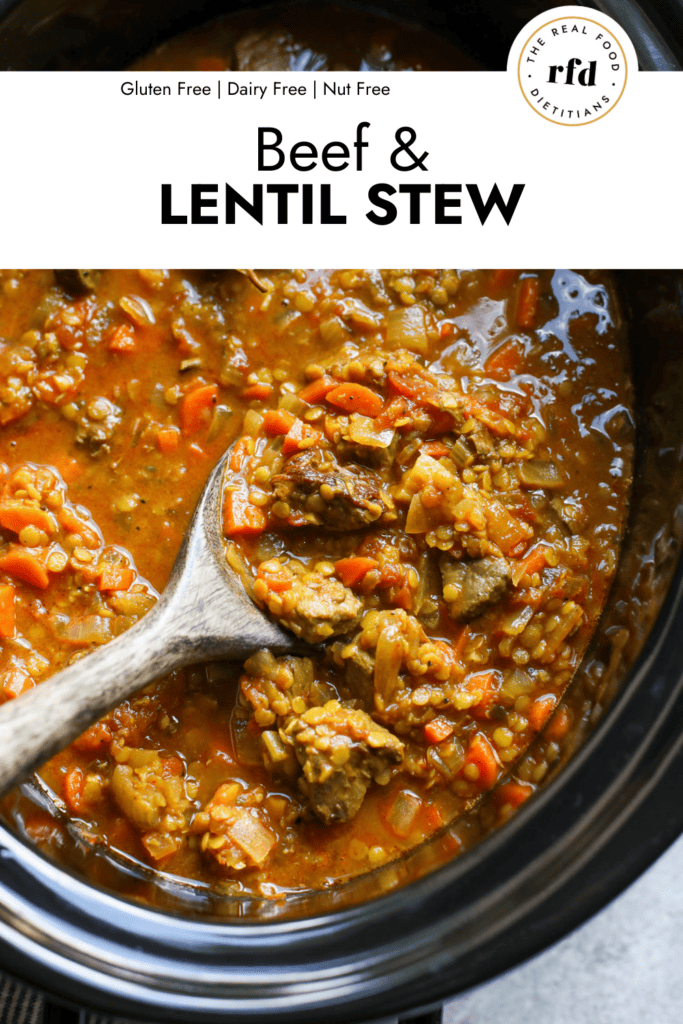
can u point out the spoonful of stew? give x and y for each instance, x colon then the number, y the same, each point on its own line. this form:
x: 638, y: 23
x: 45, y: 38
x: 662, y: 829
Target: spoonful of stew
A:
x: 203, y: 614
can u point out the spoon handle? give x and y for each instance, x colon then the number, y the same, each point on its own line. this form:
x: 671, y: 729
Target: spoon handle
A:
x: 43, y: 721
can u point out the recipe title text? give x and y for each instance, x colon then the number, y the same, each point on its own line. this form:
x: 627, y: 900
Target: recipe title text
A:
x: 444, y: 203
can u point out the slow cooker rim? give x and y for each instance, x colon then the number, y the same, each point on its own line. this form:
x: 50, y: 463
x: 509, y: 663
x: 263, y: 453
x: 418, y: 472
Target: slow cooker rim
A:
x: 648, y: 24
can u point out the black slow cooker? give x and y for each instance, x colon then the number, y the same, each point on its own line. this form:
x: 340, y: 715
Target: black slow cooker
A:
x: 37, y: 35
x: 597, y: 824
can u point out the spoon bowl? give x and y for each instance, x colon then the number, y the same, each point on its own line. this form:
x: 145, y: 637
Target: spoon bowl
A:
x: 203, y: 614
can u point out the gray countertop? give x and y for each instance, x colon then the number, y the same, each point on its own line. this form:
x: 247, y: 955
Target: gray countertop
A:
x: 624, y: 966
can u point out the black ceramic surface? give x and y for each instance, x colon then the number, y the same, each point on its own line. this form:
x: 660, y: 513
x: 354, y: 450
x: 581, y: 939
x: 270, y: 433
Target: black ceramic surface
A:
x: 110, y: 34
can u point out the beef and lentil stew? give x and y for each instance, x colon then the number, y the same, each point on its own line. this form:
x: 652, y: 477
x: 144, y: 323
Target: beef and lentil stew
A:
x: 428, y: 478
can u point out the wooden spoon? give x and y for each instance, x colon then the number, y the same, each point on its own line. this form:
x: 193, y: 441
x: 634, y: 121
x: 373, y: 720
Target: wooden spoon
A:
x: 204, y: 613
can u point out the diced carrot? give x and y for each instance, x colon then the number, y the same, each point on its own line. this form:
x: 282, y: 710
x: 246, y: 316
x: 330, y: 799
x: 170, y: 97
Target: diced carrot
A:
x: 293, y: 436
x: 277, y: 422
x: 559, y: 727
x: 317, y: 390
x: 171, y: 766
x: 240, y: 518
x: 433, y: 817
x: 356, y: 398
x: 300, y: 435
x: 278, y: 580
x: 15, y: 515
x: 534, y: 562
x: 241, y: 452
x: 399, y: 408
x: 24, y: 565
x: 497, y: 424
x: 480, y: 753
x: 502, y: 279
x: 391, y: 574
x: 505, y: 361
x: 403, y: 385
x: 446, y: 330
x: 522, y: 507
x: 437, y: 449
x: 196, y: 407
x: 16, y: 682
x: 210, y: 64
x: 73, y: 523
x: 505, y: 530
x: 517, y: 550
x: 259, y: 391
x: 90, y: 573
x: 438, y: 730
x: 403, y: 598
x: 486, y: 683
x: 540, y: 710
x: 94, y: 738
x: 352, y: 570
x: 413, y: 387
x: 115, y: 577
x: 122, y: 339
x: 168, y: 439
x: 527, y: 304
x: 7, y: 595
x: 513, y: 793
x: 74, y: 781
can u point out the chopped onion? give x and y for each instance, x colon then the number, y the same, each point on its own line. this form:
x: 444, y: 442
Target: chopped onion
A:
x: 390, y: 648
x: 363, y: 430
x: 539, y: 473
x: 419, y: 519
x: 131, y: 604
x: 92, y: 629
x: 403, y: 812
x: 252, y: 837
x: 406, y: 328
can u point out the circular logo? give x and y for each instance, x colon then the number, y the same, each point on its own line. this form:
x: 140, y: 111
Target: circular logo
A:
x: 572, y: 70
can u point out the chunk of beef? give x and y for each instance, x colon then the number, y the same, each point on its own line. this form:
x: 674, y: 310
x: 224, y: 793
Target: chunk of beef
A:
x: 359, y: 669
x: 326, y: 494
x: 427, y: 596
x: 483, y: 441
x: 313, y: 607
x: 97, y: 423
x: 341, y: 751
x: 77, y: 282
x: 263, y: 51
x: 278, y: 687
x: 469, y: 588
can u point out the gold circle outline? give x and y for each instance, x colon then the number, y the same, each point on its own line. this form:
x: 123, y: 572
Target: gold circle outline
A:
x: 576, y: 124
